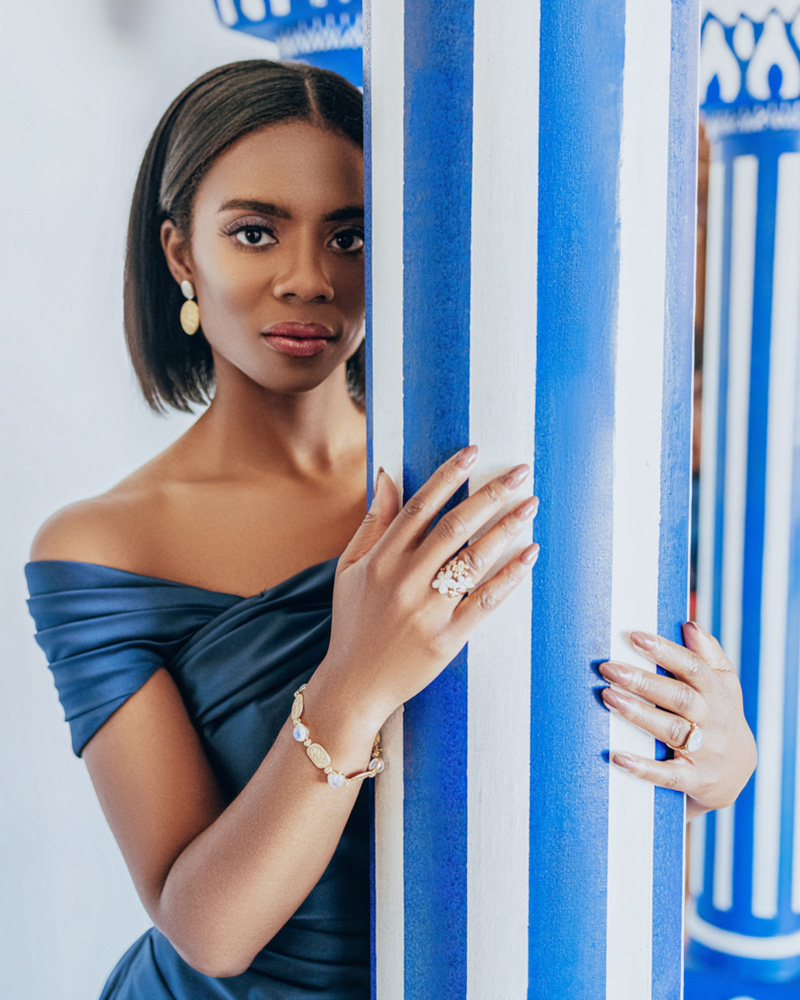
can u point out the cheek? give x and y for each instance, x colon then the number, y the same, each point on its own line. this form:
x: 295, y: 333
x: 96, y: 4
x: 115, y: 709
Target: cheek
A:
x: 229, y: 286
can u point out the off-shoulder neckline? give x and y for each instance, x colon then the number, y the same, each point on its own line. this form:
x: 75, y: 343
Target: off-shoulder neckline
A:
x: 180, y: 583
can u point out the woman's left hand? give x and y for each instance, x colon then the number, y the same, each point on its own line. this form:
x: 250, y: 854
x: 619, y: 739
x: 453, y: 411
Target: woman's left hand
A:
x: 705, y: 691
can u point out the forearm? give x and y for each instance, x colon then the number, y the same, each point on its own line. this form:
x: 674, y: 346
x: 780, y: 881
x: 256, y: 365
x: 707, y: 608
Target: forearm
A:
x: 237, y: 883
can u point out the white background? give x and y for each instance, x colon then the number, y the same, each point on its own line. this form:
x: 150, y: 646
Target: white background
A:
x: 83, y: 84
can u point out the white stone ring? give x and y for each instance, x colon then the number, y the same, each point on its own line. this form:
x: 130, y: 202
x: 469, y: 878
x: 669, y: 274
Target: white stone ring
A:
x: 453, y: 579
x: 693, y: 741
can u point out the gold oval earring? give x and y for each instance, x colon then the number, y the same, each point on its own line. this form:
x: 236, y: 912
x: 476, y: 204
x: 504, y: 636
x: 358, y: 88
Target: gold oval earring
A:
x: 190, y: 311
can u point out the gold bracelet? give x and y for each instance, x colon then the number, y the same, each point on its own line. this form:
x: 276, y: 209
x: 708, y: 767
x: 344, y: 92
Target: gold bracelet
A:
x: 319, y: 756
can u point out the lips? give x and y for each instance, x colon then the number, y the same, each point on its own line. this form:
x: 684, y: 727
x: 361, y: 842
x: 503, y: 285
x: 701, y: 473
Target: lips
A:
x: 299, y: 340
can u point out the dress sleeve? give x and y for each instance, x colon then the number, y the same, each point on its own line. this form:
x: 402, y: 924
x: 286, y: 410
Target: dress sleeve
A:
x: 105, y: 632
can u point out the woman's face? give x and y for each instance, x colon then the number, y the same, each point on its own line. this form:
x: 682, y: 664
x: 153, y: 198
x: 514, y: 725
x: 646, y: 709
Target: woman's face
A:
x: 276, y: 256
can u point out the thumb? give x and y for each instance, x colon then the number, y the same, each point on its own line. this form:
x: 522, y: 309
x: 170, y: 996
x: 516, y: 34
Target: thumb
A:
x: 383, y: 510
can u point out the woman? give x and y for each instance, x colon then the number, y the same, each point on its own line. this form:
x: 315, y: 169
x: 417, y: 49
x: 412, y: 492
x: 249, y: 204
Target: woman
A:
x: 182, y: 610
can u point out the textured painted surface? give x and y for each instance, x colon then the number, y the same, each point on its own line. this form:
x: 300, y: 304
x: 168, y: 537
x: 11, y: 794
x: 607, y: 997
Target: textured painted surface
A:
x: 436, y: 241
x: 580, y: 128
x: 514, y: 223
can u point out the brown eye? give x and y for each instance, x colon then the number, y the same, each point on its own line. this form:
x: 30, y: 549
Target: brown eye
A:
x: 254, y: 236
x: 349, y: 241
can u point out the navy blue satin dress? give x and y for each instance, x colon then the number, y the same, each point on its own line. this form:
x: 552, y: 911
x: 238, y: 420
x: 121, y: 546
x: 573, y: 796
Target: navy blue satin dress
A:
x: 236, y: 662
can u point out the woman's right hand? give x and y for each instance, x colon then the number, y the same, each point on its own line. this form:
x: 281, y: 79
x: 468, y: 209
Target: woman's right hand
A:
x: 392, y: 633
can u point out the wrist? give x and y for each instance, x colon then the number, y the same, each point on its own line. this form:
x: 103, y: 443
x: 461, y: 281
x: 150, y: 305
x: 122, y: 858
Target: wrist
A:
x: 340, y: 720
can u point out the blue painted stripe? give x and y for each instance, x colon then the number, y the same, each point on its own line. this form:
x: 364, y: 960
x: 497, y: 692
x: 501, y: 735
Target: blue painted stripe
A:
x: 579, y: 140
x: 436, y: 249
x: 676, y: 466
x: 791, y: 720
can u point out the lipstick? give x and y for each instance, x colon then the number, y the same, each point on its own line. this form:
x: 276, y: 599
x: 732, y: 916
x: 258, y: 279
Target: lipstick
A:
x: 298, y: 340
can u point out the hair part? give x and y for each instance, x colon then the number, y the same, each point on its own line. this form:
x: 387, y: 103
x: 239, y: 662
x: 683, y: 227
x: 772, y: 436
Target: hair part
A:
x: 212, y: 114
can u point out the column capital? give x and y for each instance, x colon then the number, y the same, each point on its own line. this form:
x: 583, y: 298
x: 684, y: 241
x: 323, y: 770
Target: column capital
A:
x: 750, y: 66
x: 325, y: 33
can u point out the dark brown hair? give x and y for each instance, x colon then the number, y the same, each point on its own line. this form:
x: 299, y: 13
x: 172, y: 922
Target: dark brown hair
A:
x: 209, y: 116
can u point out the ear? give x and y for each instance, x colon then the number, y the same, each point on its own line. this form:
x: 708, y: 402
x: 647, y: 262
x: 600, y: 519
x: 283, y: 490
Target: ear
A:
x: 177, y: 252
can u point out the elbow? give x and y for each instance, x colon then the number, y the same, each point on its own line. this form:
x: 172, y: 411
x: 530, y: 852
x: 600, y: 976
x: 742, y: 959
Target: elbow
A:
x: 216, y: 962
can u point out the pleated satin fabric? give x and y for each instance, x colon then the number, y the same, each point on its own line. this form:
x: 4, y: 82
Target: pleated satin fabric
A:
x: 236, y: 662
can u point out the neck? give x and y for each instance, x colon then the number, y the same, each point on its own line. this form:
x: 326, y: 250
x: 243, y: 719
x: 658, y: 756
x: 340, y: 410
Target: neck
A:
x: 248, y: 430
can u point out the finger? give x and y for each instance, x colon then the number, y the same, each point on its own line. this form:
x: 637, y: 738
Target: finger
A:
x: 458, y: 525
x: 380, y: 515
x: 484, y: 599
x: 484, y: 553
x: 685, y: 663
x: 419, y: 511
x: 706, y: 646
x: 677, y: 774
x: 671, y: 729
x: 674, y: 695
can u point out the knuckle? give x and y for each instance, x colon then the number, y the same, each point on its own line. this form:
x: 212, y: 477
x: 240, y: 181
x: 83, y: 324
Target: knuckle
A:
x: 670, y: 778
x: 452, y: 526
x: 487, y: 599
x: 416, y: 506
x: 495, y: 492
x: 473, y: 560
x: 448, y: 474
x: 695, y: 666
x: 676, y: 732
x: 683, y: 700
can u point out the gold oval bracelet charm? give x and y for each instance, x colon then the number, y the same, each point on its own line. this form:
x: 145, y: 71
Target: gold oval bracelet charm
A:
x: 319, y: 756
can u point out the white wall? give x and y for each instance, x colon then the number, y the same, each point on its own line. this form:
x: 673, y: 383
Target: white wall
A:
x: 83, y: 84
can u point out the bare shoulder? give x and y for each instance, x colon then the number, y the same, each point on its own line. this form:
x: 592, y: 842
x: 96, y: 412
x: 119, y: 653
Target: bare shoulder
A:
x: 110, y: 529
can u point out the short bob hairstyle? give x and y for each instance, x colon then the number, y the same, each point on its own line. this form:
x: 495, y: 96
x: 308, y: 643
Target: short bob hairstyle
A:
x: 209, y: 116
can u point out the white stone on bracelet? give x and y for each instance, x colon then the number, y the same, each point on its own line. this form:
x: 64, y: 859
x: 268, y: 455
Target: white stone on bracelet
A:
x: 319, y: 756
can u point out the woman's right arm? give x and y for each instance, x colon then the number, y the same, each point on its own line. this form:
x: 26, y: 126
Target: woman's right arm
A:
x: 219, y: 881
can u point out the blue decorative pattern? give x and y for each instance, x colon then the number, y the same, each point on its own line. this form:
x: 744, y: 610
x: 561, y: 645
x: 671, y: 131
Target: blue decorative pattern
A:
x: 750, y: 67
x: 325, y: 33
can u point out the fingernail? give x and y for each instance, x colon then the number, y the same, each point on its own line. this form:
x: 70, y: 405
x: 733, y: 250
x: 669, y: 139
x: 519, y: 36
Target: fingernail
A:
x: 513, y: 478
x: 466, y: 457
x: 614, y: 698
x: 528, y: 509
x: 530, y: 555
x: 643, y: 640
x: 697, y: 628
x: 615, y: 672
x: 378, y: 478
x: 624, y: 761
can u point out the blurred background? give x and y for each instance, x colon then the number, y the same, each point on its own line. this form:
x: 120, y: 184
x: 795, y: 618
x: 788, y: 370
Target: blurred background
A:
x: 85, y: 84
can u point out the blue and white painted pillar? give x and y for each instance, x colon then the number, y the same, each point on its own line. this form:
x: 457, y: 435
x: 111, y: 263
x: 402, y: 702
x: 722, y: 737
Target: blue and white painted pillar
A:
x: 325, y: 33
x: 744, y: 920
x: 531, y: 171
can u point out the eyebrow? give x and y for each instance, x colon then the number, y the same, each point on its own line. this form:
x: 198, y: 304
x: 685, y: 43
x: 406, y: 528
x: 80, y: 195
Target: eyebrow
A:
x: 269, y: 208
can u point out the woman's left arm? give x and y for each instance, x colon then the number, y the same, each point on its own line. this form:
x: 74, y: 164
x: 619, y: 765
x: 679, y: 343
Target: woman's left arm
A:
x: 704, y: 691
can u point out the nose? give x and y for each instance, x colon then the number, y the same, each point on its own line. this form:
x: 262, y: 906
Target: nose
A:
x: 303, y: 275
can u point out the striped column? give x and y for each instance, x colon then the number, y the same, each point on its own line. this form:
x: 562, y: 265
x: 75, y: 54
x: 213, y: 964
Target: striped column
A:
x: 530, y: 185
x: 745, y: 873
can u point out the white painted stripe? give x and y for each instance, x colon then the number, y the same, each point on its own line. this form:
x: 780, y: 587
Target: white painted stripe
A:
x: 697, y: 851
x: 637, y: 475
x: 743, y: 252
x: 777, y: 537
x: 502, y: 353
x: 737, y: 405
x: 730, y: 943
x: 387, y: 114
x: 710, y: 422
